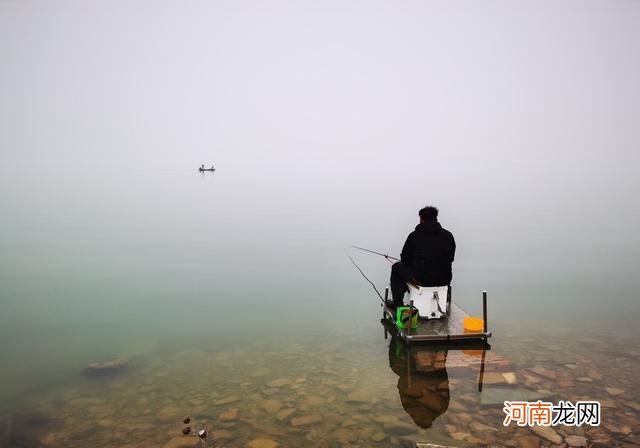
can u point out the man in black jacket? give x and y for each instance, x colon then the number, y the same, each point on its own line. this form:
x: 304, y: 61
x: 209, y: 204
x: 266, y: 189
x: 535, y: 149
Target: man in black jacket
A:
x: 426, y: 256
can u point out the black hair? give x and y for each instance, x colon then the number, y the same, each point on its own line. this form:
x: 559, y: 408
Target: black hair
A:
x: 429, y: 213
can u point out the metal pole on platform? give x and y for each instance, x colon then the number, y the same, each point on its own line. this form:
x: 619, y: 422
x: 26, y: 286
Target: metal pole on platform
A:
x: 410, y: 317
x: 484, y: 310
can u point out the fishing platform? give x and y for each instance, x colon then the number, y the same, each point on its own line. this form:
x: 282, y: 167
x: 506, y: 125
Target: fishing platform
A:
x: 447, y: 327
x: 432, y: 317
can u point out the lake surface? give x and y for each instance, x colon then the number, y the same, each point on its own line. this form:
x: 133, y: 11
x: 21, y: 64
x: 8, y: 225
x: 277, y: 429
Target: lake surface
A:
x: 231, y: 297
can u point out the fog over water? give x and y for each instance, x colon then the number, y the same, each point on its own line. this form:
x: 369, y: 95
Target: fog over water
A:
x: 329, y: 123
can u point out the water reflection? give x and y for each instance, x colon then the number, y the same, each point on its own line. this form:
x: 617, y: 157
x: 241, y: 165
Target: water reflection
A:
x: 423, y: 383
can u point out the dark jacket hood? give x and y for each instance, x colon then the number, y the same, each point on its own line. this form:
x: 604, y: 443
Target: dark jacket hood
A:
x: 431, y: 227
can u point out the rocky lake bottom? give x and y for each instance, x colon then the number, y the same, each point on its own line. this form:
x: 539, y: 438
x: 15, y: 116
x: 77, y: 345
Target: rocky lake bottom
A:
x: 337, y: 394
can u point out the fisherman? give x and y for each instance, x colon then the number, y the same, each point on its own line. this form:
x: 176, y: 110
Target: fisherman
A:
x: 426, y: 256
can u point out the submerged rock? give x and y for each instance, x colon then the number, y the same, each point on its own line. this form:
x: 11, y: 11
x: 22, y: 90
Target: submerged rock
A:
x: 306, y: 420
x: 222, y: 434
x: 272, y: 406
x: 314, y: 401
x: 547, y: 433
x: 593, y: 373
x: 170, y: 414
x: 531, y: 379
x: 285, y: 414
x: 349, y: 422
x: 498, y: 395
x: 182, y: 442
x: 229, y: 416
x: 279, y: 382
x: 494, y: 378
x: 226, y: 400
x: 529, y: 442
x: 363, y: 395
x: 263, y: 443
x: 624, y: 429
x: 510, y: 377
x: 398, y: 428
x: 49, y: 439
x: 614, y: 391
x: 543, y: 371
x: 116, y: 365
x: 633, y: 404
x: 461, y: 435
x: 576, y: 441
x: 344, y: 435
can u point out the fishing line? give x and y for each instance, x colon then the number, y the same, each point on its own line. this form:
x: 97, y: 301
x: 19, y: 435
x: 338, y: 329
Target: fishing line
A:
x: 365, y: 277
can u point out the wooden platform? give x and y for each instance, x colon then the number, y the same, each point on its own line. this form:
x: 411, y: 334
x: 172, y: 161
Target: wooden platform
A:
x: 447, y: 329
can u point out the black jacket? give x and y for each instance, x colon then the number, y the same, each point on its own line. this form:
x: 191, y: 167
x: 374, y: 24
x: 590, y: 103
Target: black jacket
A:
x: 429, y: 251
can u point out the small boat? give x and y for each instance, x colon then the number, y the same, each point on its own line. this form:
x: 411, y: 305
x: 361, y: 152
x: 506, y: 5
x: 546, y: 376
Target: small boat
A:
x: 202, y: 170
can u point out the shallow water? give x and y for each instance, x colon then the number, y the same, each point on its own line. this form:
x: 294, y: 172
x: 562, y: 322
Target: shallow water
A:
x: 229, y: 291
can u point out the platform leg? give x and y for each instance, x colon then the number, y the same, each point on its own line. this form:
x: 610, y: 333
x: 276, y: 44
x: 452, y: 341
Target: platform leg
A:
x: 480, y: 378
x: 409, y: 367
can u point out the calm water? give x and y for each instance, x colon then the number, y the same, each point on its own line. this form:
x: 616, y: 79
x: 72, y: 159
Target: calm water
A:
x: 230, y: 291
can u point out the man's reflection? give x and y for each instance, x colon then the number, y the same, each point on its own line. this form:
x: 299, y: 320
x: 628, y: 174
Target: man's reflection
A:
x: 423, y: 383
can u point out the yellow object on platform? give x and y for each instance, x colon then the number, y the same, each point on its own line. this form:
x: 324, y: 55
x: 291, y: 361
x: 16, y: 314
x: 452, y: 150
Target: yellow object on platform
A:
x: 473, y: 323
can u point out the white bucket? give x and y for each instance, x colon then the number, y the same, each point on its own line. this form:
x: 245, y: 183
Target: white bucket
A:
x: 431, y: 301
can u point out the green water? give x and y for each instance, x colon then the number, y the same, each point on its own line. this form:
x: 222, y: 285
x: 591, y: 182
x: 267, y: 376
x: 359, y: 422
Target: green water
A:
x: 214, y: 285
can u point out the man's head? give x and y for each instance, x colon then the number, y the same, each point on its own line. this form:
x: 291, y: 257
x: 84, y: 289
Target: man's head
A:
x: 428, y: 214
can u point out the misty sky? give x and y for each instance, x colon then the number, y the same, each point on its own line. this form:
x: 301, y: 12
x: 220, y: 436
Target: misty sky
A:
x: 345, y: 84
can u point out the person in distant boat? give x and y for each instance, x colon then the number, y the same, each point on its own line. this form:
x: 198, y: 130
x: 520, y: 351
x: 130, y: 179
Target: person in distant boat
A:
x: 202, y: 166
x: 426, y: 257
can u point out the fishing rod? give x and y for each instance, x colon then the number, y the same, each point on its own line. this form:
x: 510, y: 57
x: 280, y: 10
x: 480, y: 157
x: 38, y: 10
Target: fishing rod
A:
x: 365, y: 277
x: 413, y: 311
x: 388, y: 257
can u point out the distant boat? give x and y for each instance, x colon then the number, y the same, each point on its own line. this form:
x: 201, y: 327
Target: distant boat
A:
x: 202, y: 169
